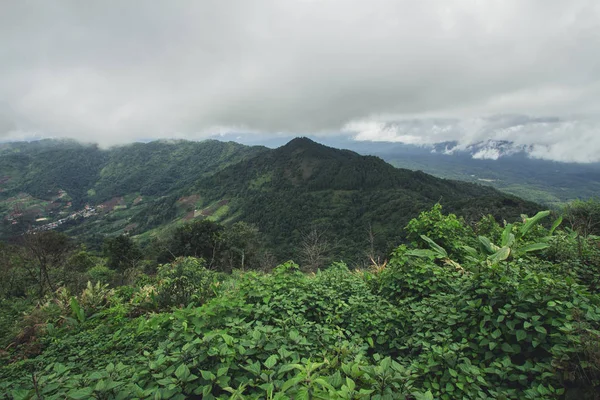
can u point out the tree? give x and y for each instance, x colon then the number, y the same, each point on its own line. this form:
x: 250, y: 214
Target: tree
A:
x: 314, y: 249
x: 122, y: 253
x: 75, y: 269
x: 43, y: 252
x: 242, y: 243
x: 202, y: 239
x: 373, y: 252
x: 584, y: 216
x: 12, y: 274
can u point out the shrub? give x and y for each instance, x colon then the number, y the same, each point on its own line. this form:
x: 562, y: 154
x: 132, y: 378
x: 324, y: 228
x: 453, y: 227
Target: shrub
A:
x: 184, y: 281
x: 448, y: 231
x: 101, y: 274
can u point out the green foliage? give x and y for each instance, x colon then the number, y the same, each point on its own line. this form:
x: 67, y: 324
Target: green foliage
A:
x: 584, y: 216
x: 196, y: 239
x: 122, y: 253
x: 184, y: 281
x: 10, y: 313
x: 101, y: 273
x: 144, y: 189
x: 432, y: 226
x: 424, y: 326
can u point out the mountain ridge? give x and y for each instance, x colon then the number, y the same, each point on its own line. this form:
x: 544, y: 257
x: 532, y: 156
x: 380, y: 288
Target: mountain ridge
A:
x: 144, y: 188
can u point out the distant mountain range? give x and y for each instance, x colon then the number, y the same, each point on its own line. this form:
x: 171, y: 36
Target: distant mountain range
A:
x: 500, y: 164
x: 145, y: 189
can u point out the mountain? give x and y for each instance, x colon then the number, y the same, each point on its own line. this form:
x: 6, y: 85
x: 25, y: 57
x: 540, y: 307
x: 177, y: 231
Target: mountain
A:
x: 497, y: 163
x: 504, y: 166
x: 48, y: 183
x: 500, y: 164
x: 146, y: 188
x: 305, y: 185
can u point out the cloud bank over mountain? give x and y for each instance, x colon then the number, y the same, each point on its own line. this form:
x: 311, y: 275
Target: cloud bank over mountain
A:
x: 567, y: 140
x: 114, y: 72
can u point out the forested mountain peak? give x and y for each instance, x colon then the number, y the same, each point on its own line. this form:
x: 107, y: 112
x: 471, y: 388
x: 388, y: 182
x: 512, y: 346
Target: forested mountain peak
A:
x: 133, y: 189
x: 308, y: 147
x: 302, y: 184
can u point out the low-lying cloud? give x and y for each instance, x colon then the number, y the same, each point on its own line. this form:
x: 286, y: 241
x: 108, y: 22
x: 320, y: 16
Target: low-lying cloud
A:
x: 114, y: 72
x: 567, y: 140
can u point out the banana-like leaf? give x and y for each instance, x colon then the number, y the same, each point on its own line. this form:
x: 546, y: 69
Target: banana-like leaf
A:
x: 77, y: 310
x: 487, y: 246
x: 422, y: 253
x: 470, y: 251
x: 435, y: 247
x: 508, y: 238
x: 533, y: 247
x: 556, y: 224
x: 501, y: 255
x: 530, y: 222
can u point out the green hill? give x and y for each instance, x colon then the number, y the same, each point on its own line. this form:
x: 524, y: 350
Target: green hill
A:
x: 145, y: 188
x: 305, y: 185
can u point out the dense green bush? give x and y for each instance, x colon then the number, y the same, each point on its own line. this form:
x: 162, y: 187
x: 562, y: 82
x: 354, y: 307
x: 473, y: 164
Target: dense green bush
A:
x: 509, y: 312
x: 101, y: 273
x: 184, y: 281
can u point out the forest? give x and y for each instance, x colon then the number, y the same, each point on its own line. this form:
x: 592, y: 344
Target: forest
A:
x: 147, y: 190
x: 492, y: 309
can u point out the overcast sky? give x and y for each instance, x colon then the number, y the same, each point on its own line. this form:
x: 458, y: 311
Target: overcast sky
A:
x: 413, y: 71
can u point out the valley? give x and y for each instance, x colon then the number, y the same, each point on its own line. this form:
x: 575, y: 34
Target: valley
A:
x: 144, y: 190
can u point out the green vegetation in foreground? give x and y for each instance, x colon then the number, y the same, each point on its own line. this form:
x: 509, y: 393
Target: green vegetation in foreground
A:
x: 483, y: 312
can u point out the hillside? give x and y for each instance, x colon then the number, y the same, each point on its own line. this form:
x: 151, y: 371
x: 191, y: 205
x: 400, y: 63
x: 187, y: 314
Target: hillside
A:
x: 144, y: 189
x: 454, y: 307
x: 443, y: 319
x: 52, y: 181
x: 502, y: 165
x: 305, y: 185
x: 498, y: 164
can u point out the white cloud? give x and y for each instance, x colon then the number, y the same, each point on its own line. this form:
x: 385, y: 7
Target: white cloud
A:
x: 569, y: 140
x: 116, y: 71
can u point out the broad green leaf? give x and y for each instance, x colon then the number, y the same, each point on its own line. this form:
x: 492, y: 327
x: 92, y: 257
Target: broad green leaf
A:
x: 77, y: 310
x: 254, y: 368
x: 80, y: 394
x: 435, y: 247
x: 521, y: 335
x: 336, y: 379
x: 508, y: 238
x: 21, y: 394
x: 182, y: 372
x: 350, y: 383
x: 533, y: 247
x: 209, y: 376
x: 302, y: 394
x: 556, y: 224
x: 271, y: 361
x: 470, y: 251
x: 500, y: 255
x: 541, y: 329
x: 487, y: 246
x: 530, y: 222
x: 292, y: 382
x: 324, y: 383
x: 422, y: 253
x: 286, y: 368
x: 507, y: 348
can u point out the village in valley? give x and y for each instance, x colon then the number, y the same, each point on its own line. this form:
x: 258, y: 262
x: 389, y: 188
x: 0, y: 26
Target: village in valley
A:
x: 29, y: 214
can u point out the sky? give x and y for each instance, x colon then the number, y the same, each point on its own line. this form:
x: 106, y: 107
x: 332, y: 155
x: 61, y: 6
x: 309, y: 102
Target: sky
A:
x: 417, y: 72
